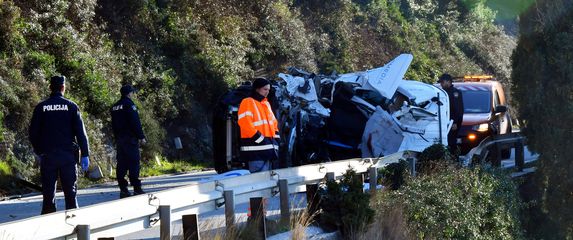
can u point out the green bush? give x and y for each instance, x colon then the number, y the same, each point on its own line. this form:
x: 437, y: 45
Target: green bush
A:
x: 2, y: 131
x: 5, y: 177
x: 458, y: 204
x: 345, y: 206
x: 433, y: 158
x: 5, y: 169
x: 543, y: 77
x: 395, y: 175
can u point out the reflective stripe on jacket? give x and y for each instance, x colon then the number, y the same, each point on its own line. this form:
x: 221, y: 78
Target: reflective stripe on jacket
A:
x: 259, y: 128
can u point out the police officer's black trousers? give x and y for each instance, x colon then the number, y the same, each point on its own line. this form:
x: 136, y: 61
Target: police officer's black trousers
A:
x: 62, y: 165
x: 128, y: 161
x: 453, y: 141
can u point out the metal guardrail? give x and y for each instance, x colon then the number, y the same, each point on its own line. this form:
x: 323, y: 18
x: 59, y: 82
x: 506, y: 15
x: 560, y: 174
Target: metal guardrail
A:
x: 494, y: 145
x: 140, y: 212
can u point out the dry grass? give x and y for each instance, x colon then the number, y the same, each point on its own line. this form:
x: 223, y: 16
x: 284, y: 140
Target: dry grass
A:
x: 214, y: 228
x: 389, y: 223
x: 299, y: 221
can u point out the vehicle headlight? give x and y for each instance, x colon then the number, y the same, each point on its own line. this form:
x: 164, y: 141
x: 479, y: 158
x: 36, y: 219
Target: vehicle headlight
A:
x: 481, y: 128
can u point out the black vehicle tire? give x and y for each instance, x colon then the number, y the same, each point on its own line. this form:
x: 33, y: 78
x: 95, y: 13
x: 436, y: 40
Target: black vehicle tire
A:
x: 288, y: 151
x: 289, y: 135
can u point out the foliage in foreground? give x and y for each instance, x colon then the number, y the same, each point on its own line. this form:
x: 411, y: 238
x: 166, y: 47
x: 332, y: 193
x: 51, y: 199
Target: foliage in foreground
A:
x: 453, y: 204
x: 394, y: 175
x: 433, y: 158
x: 345, y: 206
x: 543, y: 74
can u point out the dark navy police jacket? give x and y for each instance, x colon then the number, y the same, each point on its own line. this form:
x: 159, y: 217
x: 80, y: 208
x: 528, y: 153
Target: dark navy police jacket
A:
x: 57, y: 126
x: 456, y: 105
x: 125, y: 121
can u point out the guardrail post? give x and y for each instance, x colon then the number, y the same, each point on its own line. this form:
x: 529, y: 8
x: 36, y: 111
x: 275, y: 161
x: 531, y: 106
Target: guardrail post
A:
x: 285, y: 208
x: 258, y: 218
x: 229, y: 196
x: 330, y: 176
x: 312, y: 198
x: 496, y: 160
x: 190, y: 227
x: 373, y: 175
x: 360, y: 177
x: 165, y: 218
x: 412, y: 166
x: 83, y: 232
x: 519, y: 155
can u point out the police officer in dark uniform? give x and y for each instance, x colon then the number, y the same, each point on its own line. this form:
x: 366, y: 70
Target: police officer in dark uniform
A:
x: 128, y: 136
x: 456, y: 109
x: 56, y: 130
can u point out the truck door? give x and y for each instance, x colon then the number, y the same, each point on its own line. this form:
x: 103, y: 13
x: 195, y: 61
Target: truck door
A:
x: 500, y: 122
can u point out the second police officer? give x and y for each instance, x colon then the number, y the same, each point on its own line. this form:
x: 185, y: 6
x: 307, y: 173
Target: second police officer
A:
x: 456, y: 110
x: 55, y: 132
x: 128, y: 137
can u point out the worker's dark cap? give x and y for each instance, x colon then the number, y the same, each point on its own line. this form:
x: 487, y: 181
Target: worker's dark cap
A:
x: 58, y: 80
x: 126, y: 89
x: 260, y: 82
x: 445, y: 77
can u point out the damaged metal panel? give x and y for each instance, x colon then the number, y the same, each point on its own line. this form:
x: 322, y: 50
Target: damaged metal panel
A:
x: 304, y: 90
x: 384, y: 80
x: 382, y: 135
x: 391, y: 114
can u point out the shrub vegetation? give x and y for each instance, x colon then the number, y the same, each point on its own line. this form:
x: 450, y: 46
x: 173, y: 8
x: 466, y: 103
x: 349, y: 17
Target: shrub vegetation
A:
x: 182, y: 55
x: 345, y: 207
x: 451, y: 203
x: 543, y: 77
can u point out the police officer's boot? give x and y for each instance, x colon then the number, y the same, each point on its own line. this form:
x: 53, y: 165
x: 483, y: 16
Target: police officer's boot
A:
x: 124, y: 192
x: 137, y: 190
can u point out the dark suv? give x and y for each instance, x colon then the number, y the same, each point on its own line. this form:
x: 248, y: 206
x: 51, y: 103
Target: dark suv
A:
x: 485, y: 111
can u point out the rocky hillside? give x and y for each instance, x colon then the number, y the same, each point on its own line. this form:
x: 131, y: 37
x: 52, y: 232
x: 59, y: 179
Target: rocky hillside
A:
x: 183, y: 54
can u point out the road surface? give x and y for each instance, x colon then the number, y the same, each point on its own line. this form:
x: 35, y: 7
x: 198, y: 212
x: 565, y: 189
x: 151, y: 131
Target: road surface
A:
x: 31, y: 204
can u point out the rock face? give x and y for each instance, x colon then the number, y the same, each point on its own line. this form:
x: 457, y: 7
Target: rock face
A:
x: 95, y: 173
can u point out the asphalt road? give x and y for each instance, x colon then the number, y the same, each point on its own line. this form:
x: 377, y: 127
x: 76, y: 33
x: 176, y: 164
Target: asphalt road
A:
x: 31, y: 204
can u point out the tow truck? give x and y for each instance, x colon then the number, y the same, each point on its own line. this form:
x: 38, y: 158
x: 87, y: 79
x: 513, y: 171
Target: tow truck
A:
x: 485, y: 111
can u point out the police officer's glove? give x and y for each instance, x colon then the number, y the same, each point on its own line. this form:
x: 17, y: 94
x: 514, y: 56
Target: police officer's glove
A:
x: 85, y: 163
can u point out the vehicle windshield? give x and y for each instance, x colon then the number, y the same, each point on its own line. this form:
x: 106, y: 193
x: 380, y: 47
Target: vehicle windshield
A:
x: 477, y: 101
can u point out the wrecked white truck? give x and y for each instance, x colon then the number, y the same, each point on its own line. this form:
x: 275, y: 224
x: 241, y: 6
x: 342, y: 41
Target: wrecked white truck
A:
x: 331, y: 117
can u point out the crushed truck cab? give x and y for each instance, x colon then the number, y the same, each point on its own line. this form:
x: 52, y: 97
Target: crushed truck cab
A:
x: 372, y: 113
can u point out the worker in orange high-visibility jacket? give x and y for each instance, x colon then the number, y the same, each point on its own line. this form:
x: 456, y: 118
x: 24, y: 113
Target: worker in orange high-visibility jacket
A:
x: 259, y: 128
